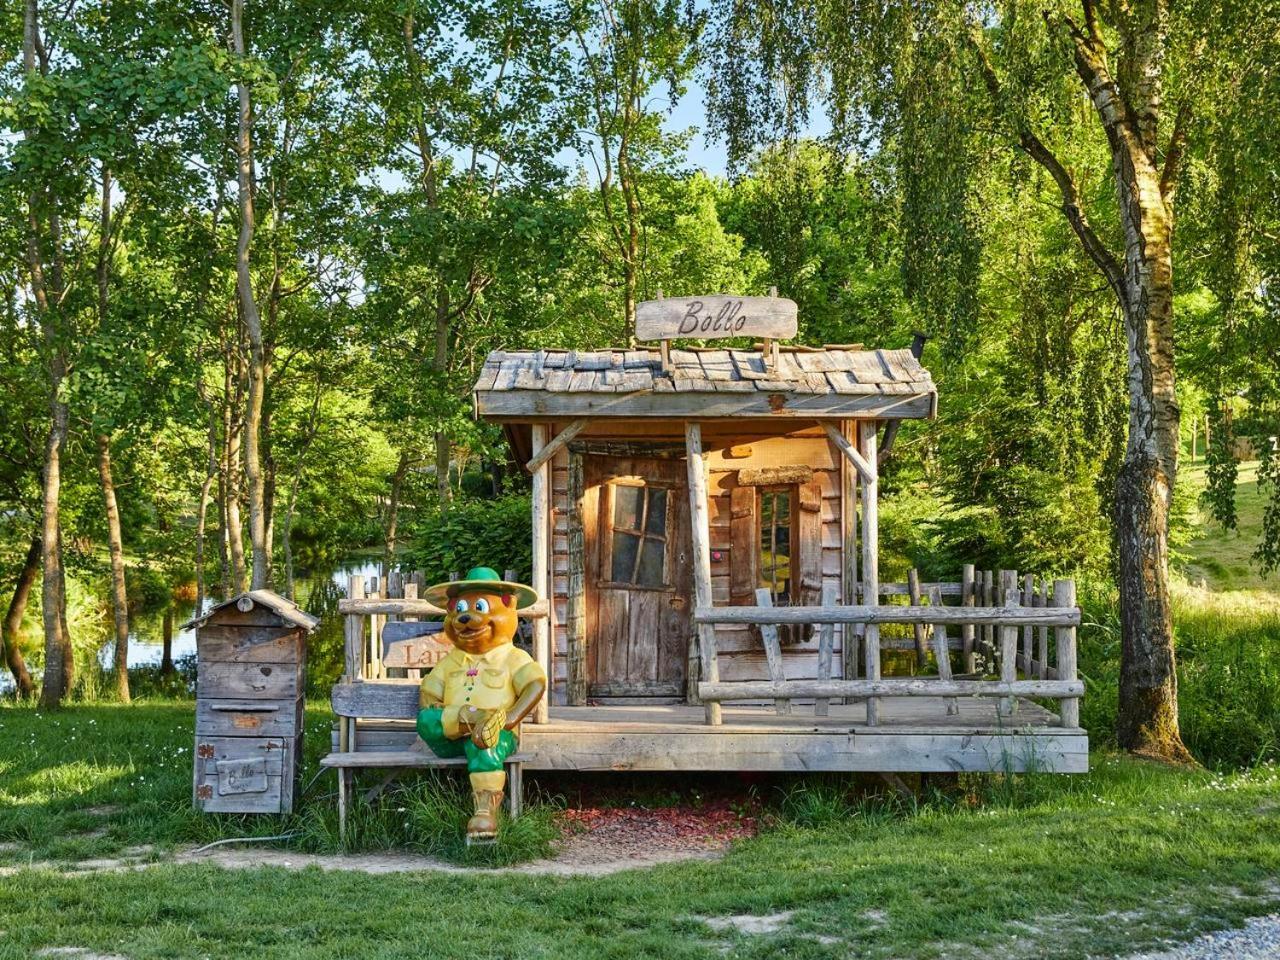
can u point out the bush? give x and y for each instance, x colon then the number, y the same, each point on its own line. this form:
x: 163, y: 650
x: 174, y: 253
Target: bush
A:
x: 493, y: 533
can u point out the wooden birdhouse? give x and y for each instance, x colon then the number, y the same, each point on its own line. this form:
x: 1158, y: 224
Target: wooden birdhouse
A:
x: 251, y: 654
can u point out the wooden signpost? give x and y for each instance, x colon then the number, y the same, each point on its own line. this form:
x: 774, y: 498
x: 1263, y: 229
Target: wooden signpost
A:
x: 716, y: 317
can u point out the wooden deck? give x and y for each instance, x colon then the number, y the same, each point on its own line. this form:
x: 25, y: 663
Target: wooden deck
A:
x: 913, y: 735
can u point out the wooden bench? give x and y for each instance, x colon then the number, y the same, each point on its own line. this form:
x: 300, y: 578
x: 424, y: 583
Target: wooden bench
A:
x: 392, y: 700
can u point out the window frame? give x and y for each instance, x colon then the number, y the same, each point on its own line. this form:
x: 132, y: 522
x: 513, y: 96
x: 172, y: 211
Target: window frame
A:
x: 608, y: 530
x: 792, y: 490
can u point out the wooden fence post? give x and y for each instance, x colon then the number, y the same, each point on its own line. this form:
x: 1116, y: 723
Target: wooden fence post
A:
x: 942, y: 650
x: 918, y: 630
x: 1009, y: 651
x: 826, y: 645
x: 772, y: 651
x: 1064, y: 595
x: 966, y: 631
x: 1043, y: 638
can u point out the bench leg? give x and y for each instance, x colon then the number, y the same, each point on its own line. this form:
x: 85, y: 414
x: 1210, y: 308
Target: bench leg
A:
x: 344, y: 791
x: 515, y: 788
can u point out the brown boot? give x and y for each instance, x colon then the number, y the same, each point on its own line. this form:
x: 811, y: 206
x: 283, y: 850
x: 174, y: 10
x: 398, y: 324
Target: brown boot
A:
x: 483, y: 825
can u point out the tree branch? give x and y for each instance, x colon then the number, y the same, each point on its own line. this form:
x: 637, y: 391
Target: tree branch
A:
x: 1173, y: 156
x: 1072, y: 204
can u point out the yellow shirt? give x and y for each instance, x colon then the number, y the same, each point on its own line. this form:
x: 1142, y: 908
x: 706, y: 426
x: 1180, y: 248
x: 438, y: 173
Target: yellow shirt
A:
x: 489, y: 681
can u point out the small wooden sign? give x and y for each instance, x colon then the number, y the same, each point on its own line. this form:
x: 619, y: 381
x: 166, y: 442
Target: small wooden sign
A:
x: 715, y: 317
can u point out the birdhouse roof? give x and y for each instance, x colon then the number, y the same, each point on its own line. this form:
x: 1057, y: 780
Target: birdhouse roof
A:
x: 282, y: 607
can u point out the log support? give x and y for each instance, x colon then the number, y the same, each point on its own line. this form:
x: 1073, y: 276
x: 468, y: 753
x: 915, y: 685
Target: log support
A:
x: 700, y: 521
x: 541, y: 566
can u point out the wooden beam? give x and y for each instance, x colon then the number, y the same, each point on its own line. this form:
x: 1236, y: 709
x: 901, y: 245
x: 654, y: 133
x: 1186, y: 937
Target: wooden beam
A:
x: 1009, y: 653
x: 865, y: 470
x: 542, y: 566
x: 1017, y: 616
x: 893, y: 687
x: 870, y: 556
x: 772, y: 405
x: 700, y: 521
x: 849, y: 638
x: 772, y: 651
x: 414, y: 607
x: 558, y: 443
x: 1064, y: 595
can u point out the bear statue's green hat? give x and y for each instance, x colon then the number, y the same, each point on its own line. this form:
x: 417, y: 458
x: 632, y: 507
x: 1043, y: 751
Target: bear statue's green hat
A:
x: 481, y: 578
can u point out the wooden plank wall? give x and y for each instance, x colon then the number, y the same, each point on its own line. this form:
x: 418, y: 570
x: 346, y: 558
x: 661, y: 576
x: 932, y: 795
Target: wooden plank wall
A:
x: 742, y: 656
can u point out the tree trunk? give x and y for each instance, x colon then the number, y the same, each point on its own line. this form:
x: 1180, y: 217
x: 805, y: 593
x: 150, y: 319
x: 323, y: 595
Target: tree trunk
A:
x: 441, y: 364
x: 119, y: 594
x: 166, y: 641
x: 252, y: 319
x: 233, y: 531
x: 202, y: 513
x: 12, y: 635
x: 1148, y: 717
x: 393, y: 512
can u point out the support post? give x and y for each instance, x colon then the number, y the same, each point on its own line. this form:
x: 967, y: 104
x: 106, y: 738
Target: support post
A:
x: 1043, y: 638
x: 700, y: 521
x: 1064, y: 595
x: 353, y: 670
x: 1008, y: 651
x: 849, y: 636
x: 576, y: 603
x: 870, y: 557
x: 913, y: 595
x: 966, y: 632
x: 541, y: 566
x: 826, y: 643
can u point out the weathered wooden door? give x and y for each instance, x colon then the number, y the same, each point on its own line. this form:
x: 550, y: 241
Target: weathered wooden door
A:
x: 639, y: 578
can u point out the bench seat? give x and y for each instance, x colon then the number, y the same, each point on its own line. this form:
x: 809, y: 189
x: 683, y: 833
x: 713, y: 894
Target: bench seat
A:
x: 400, y: 758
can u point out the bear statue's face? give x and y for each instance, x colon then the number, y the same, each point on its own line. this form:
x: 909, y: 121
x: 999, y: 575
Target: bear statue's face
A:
x: 478, y: 621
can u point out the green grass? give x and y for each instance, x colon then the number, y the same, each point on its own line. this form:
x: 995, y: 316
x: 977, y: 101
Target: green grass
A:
x: 1041, y: 866
x: 1223, y: 559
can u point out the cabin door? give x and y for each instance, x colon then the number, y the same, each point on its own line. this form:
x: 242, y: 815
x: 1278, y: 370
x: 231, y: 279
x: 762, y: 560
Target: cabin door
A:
x: 639, y: 577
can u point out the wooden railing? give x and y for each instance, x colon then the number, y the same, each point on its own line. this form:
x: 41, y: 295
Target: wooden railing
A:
x: 1004, y: 624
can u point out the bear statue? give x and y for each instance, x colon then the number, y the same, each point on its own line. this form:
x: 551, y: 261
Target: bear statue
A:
x: 473, y: 700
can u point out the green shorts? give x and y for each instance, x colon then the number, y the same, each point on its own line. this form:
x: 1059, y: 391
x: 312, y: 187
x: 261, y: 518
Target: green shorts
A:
x: 431, y: 730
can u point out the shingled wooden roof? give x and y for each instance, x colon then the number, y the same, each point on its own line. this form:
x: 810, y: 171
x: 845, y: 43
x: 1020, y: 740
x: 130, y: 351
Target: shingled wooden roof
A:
x: 829, y: 382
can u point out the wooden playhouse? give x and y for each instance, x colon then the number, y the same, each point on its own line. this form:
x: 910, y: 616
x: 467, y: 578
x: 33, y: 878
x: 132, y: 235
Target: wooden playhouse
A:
x: 705, y: 528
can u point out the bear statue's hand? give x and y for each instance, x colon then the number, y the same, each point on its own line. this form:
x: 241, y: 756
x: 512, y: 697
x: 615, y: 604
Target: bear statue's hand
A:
x: 487, y: 726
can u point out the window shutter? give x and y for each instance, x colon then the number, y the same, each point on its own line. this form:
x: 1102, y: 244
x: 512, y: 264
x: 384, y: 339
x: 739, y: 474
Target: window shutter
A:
x: 809, y: 549
x: 744, y: 547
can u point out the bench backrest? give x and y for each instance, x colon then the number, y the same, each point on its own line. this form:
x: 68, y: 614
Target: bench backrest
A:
x: 376, y: 700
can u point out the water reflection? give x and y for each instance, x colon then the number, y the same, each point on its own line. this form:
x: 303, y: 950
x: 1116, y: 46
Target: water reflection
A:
x: 149, y: 628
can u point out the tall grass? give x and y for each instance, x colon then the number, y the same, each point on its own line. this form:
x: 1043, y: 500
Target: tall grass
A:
x: 1228, y: 648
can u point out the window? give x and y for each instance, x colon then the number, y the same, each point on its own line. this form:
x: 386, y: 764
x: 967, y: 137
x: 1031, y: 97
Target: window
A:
x: 638, y: 554
x: 776, y: 512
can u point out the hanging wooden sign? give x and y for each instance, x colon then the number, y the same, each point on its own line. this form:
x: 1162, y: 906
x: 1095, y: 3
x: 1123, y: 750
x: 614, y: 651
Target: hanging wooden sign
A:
x: 715, y: 317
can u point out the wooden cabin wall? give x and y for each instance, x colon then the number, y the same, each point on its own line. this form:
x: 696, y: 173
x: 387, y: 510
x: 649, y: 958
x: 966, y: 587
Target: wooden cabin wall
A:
x: 741, y: 655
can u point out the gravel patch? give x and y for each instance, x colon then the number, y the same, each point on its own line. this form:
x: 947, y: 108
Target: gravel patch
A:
x: 1258, y: 939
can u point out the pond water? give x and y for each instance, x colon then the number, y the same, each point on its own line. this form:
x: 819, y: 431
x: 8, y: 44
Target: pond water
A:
x: 148, y: 627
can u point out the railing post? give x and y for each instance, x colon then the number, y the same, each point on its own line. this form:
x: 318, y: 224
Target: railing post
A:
x: 772, y: 651
x: 1043, y: 633
x: 1008, y: 651
x: 1064, y: 595
x: 1028, y: 633
x: 826, y: 644
x: 942, y: 651
x: 966, y: 631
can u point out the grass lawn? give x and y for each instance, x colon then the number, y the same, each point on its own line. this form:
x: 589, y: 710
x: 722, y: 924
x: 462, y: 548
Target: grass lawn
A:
x: 1043, y: 866
x: 1224, y: 558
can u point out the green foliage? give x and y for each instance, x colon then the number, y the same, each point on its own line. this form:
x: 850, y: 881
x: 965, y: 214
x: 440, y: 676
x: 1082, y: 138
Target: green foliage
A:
x: 494, y: 533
